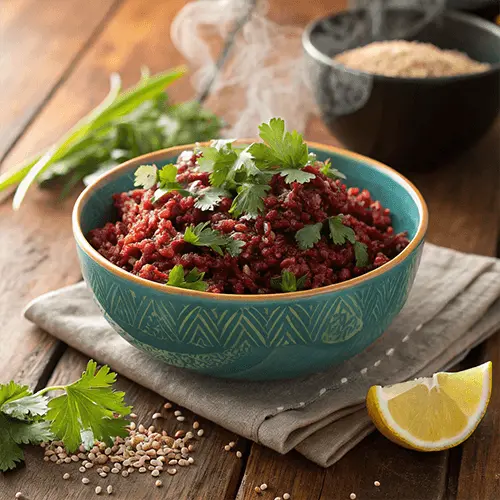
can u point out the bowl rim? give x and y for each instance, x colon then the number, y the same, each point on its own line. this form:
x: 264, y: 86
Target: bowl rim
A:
x: 316, y: 54
x: 149, y: 158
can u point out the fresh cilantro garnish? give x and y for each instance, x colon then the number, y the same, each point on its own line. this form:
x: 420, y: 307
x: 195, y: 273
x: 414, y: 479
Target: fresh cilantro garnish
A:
x: 210, y: 197
x: 249, y: 200
x: 87, y: 411
x: 146, y: 176
x: 218, y: 162
x: 309, y: 235
x: 201, y: 235
x: 287, y: 282
x: 167, y: 183
x: 282, y: 148
x: 361, y: 254
x: 311, y: 158
x: 331, y: 172
x: 192, y: 281
x: 339, y: 232
x: 299, y: 176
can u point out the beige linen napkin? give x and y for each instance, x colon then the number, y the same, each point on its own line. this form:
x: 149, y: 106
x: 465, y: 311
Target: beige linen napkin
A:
x: 453, y: 306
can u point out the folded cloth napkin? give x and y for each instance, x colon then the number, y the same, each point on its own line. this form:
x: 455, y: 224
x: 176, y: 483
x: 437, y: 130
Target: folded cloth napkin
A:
x: 453, y: 306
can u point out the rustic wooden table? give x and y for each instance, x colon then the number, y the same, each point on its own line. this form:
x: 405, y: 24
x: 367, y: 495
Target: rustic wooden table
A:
x: 56, y: 57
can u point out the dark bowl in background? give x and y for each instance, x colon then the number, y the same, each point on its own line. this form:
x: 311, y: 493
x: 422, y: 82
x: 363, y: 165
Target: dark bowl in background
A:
x: 408, y: 123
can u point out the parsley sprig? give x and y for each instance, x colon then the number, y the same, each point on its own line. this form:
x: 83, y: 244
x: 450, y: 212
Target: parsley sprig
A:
x: 193, y: 280
x: 88, y: 411
x: 204, y: 236
x: 288, y: 282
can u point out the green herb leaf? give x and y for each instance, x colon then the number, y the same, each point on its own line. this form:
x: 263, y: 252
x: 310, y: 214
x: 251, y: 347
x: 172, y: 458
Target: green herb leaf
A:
x: 192, y: 281
x: 234, y: 247
x: 296, y: 175
x: 340, y: 233
x: 90, y: 405
x: 331, y: 172
x: 287, y: 282
x: 218, y: 162
x: 10, y: 451
x: 30, y: 432
x: 201, y: 235
x: 167, y: 183
x: 146, y: 176
x: 361, y: 254
x: 249, y: 200
x: 309, y: 235
x: 167, y: 174
x: 209, y: 198
x: 17, y: 401
x: 288, y: 147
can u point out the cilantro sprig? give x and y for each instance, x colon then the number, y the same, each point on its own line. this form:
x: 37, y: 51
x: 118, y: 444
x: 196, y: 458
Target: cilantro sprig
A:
x: 88, y: 411
x: 204, y: 236
x: 288, y: 282
x: 193, y: 280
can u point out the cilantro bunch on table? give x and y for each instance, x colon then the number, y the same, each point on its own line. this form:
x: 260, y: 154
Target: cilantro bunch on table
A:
x: 89, y: 410
x: 125, y: 125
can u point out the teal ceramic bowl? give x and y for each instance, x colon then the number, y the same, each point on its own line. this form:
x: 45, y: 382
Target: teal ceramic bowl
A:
x: 254, y: 337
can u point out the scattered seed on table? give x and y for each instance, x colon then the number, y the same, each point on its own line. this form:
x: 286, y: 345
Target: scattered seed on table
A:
x: 179, y: 434
x: 286, y: 496
x: 172, y: 471
x: 167, y: 405
x: 75, y: 458
x: 227, y: 447
x: 196, y: 425
x: 239, y: 454
x: 66, y: 476
x: 89, y: 465
x: 125, y: 473
x: 20, y: 496
x: 142, y: 469
x: 132, y: 426
x: 158, y: 483
x: 156, y: 415
x: 172, y: 462
x: 377, y: 483
x: 191, y: 460
x: 181, y: 418
x: 109, y: 489
x: 277, y: 498
x: 200, y: 432
x: 133, y: 415
x: 82, y: 469
x: 98, y: 490
x: 103, y: 474
x: 232, y: 444
x: 85, y: 480
x: 257, y: 490
x: 177, y: 413
x: 155, y: 473
x: 114, y: 470
x: 352, y: 496
x: 263, y: 486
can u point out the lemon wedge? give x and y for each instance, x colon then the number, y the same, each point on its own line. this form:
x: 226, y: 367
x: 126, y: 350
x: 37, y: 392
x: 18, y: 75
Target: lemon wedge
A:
x: 431, y: 414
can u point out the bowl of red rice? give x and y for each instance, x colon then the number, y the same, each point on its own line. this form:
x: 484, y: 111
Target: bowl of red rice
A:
x: 210, y: 259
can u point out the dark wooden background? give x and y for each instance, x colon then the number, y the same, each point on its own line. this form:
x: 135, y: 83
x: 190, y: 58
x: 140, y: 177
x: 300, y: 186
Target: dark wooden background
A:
x: 55, y: 60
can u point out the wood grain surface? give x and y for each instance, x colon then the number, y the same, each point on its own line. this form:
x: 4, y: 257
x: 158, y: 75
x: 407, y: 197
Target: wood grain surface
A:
x: 37, y: 254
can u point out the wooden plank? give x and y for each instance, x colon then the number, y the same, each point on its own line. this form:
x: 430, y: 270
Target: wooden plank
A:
x: 45, y: 259
x: 33, y: 60
x: 214, y: 474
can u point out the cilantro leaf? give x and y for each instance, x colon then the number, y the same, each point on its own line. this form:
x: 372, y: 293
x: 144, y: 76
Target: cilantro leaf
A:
x: 218, y: 162
x: 296, y: 175
x: 201, y: 235
x: 30, y: 432
x: 192, y: 281
x: 204, y: 236
x: 17, y: 401
x: 287, y: 282
x: 209, y: 198
x: 263, y: 155
x: 288, y: 147
x: 89, y: 406
x: 219, y: 144
x: 249, y: 200
x: 340, y: 233
x: 309, y: 235
x: 167, y: 174
x: 10, y: 451
x: 146, y: 176
x: 361, y: 254
x: 331, y: 172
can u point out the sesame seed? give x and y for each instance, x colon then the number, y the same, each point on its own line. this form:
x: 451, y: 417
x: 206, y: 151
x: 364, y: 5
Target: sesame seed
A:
x: 263, y: 486
x: 172, y: 471
x: 277, y: 498
x: 191, y: 460
x: 232, y: 444
x: 98, y: 490
x: 114, y: 470
x: 196, y: 425
x: 66, y: 476
x: 227, y: 447
x: 142, y: 469
x: 352, y: 496
x: 132, y: 426
x: 156, y: 415
x: 133, y: 415
x: 155, y: 473
x: 82, y: 469
x: 189, y: 435
x: 158, y: 483
x: 286, y: 496
x: 167, y: 405
x: 257, y: 489
x: 20, y: 496
x: 200, y: 432
x: 177, y: 413
x: 109, y: 489
x: 181, y: 418
x: 125, y: 473
x: 239, y: 454
x: 103, y: 474
x: 89, y: 465
x: 376, y: 483
x: 85, y: 480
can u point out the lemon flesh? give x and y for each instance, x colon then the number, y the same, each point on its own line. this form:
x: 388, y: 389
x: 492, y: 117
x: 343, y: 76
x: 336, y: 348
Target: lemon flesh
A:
x: 435, y: 413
